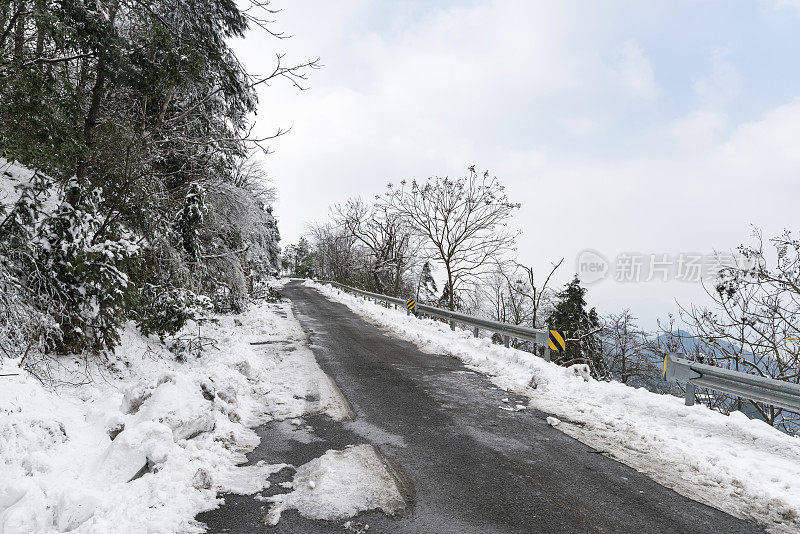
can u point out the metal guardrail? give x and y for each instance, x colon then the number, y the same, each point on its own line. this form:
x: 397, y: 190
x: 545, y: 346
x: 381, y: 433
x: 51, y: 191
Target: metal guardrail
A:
x: 773, y: 392
x: 508, y: 331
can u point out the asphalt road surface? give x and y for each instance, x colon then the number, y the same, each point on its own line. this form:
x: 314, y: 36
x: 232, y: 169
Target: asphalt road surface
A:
x: 473, y: 466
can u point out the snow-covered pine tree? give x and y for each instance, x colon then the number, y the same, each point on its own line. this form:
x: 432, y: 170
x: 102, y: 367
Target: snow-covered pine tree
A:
x: 190, y: 217
x: 87, y: 273
x: 570, y: 314
x: 426, y: 287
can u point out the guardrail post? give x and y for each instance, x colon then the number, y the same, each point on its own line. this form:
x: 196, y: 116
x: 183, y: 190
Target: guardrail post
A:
x: 452, y: 324
x: 547, y: 353
x: 476, y: 331
x: 505, y: 341
x: 690, y: 391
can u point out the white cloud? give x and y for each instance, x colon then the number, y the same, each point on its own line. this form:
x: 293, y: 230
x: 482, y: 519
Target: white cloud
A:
x: 763, y: 154
x: 546, y: 97
x: 722, y: 84
x: 579, y: 125
x: 699, y: 129
x: 792, y: 4
x: 636, y: 72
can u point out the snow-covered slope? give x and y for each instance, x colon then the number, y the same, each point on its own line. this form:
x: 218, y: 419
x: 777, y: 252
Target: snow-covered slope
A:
x: 739, y: 465
x: 146, y: 442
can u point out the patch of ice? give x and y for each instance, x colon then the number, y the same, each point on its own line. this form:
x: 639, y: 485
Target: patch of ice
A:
x: 341, y: 484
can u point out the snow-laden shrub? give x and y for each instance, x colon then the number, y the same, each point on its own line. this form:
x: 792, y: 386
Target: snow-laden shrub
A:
x: 25, y: 330
x: 83, y: 253
x: 68, y: 260
x: 190, y: 217
x: 163, y: 310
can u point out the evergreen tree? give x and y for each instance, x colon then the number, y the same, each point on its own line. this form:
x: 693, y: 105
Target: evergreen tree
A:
x: 298, y: 260
x: 570, y: 315
x: 426, y: 287
x: 448, y: 300
x: 190, y: 217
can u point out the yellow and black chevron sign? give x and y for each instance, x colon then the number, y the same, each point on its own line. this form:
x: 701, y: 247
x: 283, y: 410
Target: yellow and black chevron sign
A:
x: 411, y: 304
x: 558, y: 340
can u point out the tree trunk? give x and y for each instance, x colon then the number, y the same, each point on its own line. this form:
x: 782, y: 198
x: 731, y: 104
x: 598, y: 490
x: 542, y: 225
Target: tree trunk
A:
x: 452, y: 304
x: 397, y: 280
x: 40, y: 8
x: 90, y: 124
x: 19, y: 33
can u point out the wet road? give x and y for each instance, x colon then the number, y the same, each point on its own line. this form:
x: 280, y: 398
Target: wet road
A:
x: 474, y: 467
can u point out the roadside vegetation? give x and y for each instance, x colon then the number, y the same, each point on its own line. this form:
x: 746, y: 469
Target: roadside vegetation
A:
x: 130, y: 187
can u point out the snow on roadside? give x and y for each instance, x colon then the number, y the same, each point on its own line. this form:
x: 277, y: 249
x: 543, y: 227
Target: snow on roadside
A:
x: 741, y: 466
x: 341, y: 484
x: 149, y: 442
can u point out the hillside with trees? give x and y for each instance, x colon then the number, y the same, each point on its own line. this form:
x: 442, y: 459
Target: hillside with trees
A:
x: 132, y: 187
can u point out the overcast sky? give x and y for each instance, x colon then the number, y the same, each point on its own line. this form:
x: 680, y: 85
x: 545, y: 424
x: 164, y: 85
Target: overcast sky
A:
x: 622, y: 127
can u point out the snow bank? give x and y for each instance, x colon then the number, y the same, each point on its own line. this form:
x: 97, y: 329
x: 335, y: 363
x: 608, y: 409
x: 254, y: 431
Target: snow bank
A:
x: 341, y: 484
x: 742, y: 466
x: 146, y: 442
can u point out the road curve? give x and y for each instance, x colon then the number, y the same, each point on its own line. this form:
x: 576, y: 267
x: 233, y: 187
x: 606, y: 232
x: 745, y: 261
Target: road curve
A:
x: 474, y: 467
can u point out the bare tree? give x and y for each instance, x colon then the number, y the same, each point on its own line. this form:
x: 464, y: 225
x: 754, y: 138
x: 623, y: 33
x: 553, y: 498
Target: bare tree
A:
x: 463, y: 221
x: 754, y: 325
x: 391, y: 246
x: 334, y: 252
x: 535, y: 296
x: 625, y: 348
x: 509, y: 294
x: 496, y: 294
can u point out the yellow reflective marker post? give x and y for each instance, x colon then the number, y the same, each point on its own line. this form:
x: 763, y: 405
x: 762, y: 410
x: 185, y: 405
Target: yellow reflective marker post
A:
x: 664, y: 373
x: 558, y: 340
x: 411, y: 304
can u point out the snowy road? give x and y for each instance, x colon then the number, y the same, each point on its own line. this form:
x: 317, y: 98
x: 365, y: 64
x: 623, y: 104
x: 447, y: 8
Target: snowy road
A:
x: 475, y: 465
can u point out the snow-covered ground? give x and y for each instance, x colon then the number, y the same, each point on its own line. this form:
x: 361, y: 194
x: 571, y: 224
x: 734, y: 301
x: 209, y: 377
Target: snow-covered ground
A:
x: 738, y: 465
x: 144, y: 442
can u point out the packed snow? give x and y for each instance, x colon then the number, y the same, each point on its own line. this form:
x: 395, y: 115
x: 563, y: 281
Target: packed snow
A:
x: 738, y: 465
x: 144, y: 442
x: 341, y: 484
